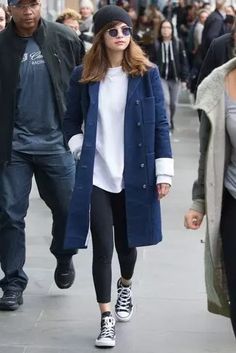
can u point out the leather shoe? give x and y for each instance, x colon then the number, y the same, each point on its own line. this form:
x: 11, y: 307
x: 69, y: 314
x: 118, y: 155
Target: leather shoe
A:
x: 11, y: 300
x: 64, y: 273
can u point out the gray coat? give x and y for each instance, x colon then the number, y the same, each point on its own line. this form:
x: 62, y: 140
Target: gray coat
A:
x: 208, y: 188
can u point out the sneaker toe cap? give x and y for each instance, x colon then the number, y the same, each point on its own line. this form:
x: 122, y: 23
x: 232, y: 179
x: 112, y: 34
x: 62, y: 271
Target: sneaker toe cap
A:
x: 122, y: 314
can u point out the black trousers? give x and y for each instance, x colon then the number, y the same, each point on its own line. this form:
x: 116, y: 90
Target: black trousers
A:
x: 228, y: 233
x: 108, y: 210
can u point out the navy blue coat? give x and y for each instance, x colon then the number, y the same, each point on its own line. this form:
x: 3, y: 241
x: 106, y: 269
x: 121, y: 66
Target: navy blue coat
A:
x: 146, y: 138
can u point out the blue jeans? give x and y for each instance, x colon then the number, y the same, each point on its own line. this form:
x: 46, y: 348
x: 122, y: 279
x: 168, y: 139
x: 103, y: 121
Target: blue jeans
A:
x: 171, y: 93
x: 54, y: 175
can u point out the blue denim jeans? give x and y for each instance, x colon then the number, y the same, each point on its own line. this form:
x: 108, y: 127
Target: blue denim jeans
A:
x: 171, y: 93
x: 54, y: 175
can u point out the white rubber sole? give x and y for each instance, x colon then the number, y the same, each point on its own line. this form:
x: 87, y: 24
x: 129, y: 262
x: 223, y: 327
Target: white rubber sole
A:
x: 105, y: 342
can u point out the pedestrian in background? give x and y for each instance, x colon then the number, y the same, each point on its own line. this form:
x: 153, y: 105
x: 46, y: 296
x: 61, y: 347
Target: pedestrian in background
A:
x: 221, y: 50
x: 214, y: 26
x: 147, y: 28
x: 229, y: 19
x: 70, y: 18
x: 86, y: 9
x: 170, y: 57
x: 214, y: 191
x: 36, y: 60
x: 124, y: 162
x: 194, y: 47
x: 4, y: 17
x: 86, y: 25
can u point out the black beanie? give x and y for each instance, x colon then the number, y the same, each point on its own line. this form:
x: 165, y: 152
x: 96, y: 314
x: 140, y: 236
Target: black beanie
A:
x: 110, y: 13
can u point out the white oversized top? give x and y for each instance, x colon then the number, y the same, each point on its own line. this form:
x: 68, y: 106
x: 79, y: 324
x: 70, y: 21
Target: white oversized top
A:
x: 109, y: 155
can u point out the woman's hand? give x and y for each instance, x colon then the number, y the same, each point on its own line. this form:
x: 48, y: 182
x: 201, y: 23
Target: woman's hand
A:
x: 162, y: 190
x: 193, y: 219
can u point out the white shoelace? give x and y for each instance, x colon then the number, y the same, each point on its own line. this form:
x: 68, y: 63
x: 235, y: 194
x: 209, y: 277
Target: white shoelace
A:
x: 124, y: 299
x: 108, y: 327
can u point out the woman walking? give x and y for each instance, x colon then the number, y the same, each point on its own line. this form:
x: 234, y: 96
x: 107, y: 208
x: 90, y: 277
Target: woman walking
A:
x: 214, y: 191
x: 117, y: 130
x: 170, y: 57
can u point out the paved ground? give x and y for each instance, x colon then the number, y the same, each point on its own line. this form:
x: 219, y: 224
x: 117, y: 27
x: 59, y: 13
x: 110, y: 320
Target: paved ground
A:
x: 170, y: 301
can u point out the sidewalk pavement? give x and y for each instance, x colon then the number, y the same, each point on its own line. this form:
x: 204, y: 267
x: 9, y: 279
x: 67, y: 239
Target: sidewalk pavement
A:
x: 169, y: 293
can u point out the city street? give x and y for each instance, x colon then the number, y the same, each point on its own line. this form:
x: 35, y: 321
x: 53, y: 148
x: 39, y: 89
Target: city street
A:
x: 169, y: 292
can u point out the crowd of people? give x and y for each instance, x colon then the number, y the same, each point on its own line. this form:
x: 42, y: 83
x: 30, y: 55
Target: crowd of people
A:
x: 105, y: 165
x: 191, y: 37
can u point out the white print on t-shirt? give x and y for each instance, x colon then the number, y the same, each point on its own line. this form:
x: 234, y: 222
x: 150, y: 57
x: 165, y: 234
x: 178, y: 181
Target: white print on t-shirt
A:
x: 36, y: 58
x: 25, y: 57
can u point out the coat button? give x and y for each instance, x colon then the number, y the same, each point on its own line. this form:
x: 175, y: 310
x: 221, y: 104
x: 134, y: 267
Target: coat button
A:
x: 144, y: 186
x: 138, y: 123
x: 137, y: 102
x: 140, y: 144
x: 142, y: 165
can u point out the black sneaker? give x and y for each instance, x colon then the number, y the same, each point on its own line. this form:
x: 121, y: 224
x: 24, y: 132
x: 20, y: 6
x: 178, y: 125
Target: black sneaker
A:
x: 64, y: 273
x: 107, y: 336
x: 124, y: 306
x: 11, y: 300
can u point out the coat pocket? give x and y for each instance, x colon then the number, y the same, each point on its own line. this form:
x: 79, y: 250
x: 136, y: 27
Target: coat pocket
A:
x: 148, y: 110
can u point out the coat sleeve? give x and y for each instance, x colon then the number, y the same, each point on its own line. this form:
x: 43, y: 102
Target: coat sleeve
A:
x: 163, y: 153
x: 73, y: 120
x: 198, y: 191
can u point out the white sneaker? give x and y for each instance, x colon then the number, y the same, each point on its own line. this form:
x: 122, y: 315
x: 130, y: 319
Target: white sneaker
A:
x: 124, y: 306
x: 107, y: 336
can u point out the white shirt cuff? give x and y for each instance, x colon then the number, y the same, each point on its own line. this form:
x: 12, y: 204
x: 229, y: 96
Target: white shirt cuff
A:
x: 164, y: 166
x: 164, y: 179
x: 164, y: 170
x: 75, y: 144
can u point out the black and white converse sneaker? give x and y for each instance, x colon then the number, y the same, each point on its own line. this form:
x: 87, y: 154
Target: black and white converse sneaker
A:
x: 124, y: 306
x: 107, y: 336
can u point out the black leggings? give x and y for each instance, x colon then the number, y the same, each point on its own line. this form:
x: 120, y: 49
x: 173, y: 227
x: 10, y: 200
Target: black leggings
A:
x: 228, y: 233
x: 108, y: 210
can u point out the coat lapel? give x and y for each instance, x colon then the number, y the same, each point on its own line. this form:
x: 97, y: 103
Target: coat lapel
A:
x: 93, y: 92
x: 132, y: 84
x: 92, y: 113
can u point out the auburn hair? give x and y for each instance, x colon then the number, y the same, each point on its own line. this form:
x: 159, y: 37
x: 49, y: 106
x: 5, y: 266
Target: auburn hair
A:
x: 96, y: 62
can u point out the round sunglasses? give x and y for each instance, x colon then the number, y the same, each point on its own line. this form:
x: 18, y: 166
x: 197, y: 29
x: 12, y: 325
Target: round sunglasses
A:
x: 113, y: 32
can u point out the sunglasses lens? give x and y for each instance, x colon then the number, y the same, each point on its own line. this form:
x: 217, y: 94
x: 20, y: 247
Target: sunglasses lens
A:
x: 113, y: 32
x: 126, y: 31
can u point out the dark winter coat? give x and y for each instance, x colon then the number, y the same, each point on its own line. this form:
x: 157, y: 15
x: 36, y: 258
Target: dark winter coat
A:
x: 220, y: 51
x: 62, y: 51
x: 146, y: 138
x: 214, y: 27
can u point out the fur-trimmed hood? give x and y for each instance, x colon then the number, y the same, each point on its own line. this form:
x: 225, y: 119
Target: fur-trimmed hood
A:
x: 211, y: 88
